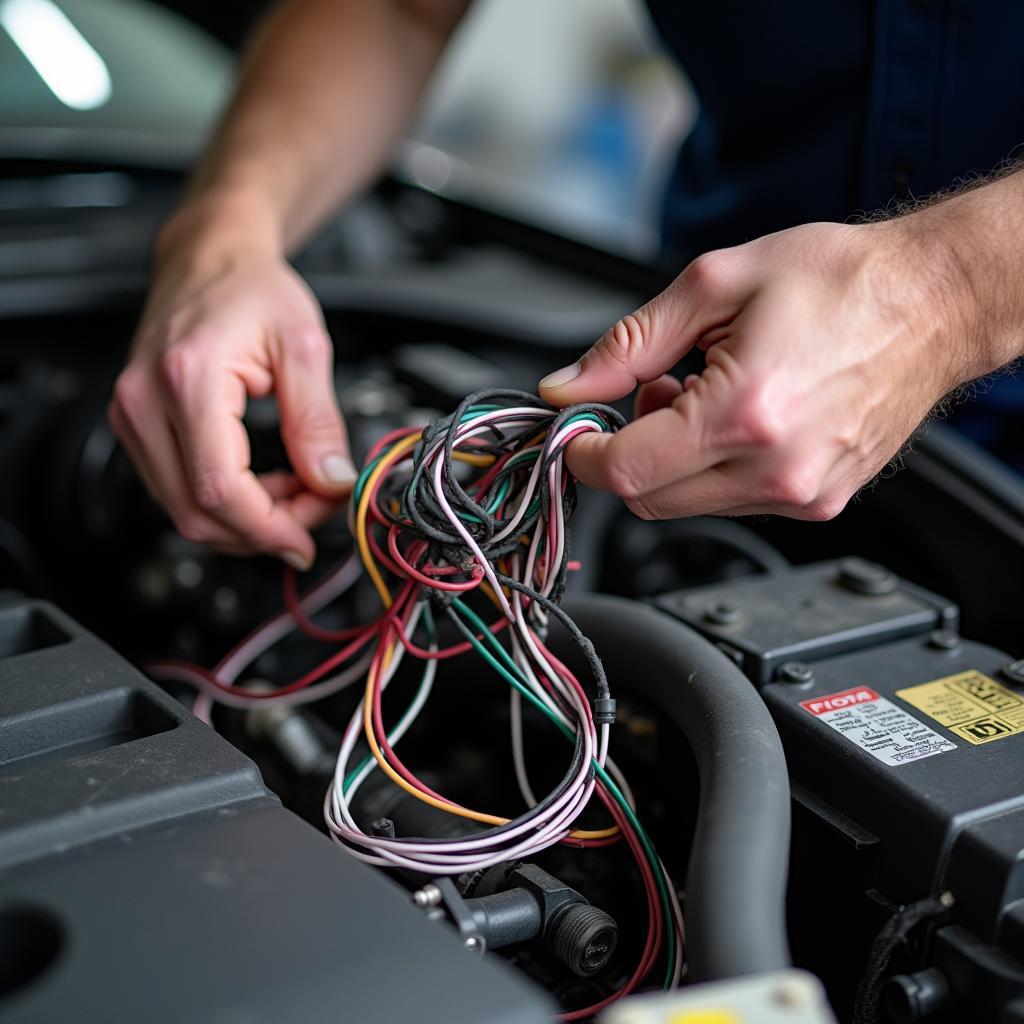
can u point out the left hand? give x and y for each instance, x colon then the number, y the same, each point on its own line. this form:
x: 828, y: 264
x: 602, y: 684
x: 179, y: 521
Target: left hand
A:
x: 827, y: 345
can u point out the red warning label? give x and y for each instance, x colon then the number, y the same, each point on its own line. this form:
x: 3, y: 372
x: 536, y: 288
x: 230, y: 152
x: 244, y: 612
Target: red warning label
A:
x: 834, y: 701
x: 876, y: 725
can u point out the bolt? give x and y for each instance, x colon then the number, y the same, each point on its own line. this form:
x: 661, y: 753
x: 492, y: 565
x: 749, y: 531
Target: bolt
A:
x: 429, y: 896
x: 722, y: 614
x: 385, y: 829
x: 1014, y: 672
x: 795, y: 672
x: 944, y: 640
x: 866, y: 577
x: 474, y: 944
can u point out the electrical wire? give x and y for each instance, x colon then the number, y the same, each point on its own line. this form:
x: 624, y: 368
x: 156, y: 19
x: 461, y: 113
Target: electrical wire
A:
x: 474, y: 506
x: 430, y: 540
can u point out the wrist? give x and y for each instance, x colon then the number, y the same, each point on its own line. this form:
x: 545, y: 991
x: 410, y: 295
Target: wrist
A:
x: 215, y: 226
x: 973, y: 266
x: 931, y: 289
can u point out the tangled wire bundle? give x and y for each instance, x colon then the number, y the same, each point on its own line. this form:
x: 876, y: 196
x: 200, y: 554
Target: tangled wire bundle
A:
x: 477, y: 501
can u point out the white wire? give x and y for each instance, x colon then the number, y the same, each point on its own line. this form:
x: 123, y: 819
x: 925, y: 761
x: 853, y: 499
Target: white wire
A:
x: 565, y: 703
x: 467, y: 855
x: 338, y: 581
x: 308, y: 695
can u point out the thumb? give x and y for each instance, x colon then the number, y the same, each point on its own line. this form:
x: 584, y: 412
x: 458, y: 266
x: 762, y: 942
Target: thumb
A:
x: 642, y: 346
x: 311, y: 425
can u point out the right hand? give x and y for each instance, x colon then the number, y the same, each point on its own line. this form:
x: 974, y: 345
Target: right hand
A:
x: 227, y: 320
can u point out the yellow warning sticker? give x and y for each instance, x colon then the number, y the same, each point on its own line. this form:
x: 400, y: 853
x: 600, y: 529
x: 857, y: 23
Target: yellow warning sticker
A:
x: 975, y: 707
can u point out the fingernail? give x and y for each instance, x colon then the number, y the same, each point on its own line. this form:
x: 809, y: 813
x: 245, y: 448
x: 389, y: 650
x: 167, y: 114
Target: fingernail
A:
x: 296, y: 561
x: 338, y: 469
x: 562, y: 376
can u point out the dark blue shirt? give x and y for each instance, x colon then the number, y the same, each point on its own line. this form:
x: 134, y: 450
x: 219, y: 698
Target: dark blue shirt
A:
x: 827, y: 109
x: 821, y: 109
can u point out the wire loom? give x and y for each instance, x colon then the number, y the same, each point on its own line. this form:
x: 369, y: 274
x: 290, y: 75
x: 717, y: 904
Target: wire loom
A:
x: 427, y: 540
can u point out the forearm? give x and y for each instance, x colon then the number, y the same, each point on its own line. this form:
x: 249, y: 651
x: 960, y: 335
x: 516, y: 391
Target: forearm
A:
x: 971, y: 245
x: 326, y: 89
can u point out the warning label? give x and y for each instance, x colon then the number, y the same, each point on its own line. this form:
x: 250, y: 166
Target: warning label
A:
x: 970, y: 704
x: 877, y: 725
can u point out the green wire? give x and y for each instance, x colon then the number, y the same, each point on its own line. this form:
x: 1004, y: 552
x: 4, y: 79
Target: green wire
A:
x: 361, y: 480
x: 648, y: 846
x: 517, y: 680
x: 472, y: 413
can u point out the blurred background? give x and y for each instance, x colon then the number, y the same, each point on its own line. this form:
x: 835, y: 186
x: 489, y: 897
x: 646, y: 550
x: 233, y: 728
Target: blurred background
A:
x: 563, y: 115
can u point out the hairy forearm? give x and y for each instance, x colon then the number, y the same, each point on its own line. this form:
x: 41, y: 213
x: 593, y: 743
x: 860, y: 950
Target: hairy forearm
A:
x: 325, y: 91
x: 971, y: 244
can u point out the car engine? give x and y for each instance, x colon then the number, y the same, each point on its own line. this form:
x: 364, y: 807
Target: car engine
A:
x: 821, y: 725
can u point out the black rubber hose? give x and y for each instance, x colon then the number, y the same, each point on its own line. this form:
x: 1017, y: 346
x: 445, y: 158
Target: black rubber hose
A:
x: 736, y: 881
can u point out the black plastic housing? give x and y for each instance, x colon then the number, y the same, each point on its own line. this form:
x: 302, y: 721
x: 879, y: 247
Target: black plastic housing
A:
x: 146, y: 873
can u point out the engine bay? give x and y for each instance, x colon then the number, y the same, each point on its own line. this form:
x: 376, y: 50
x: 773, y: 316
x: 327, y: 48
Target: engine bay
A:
x: 819, y: 723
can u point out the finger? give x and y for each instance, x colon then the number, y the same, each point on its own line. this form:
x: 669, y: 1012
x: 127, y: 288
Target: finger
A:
x: 150, y: 442
x: 797, y: 489
x: 280, y: 484
x: 714, y: 336
x: 291, y: 494
x: 653, y: 451
x: 206, y: 413
x: 311, y: 425
x: 127, y: 439
x: 647, y: 343
x: 714, y: 491
x: 657, y: 394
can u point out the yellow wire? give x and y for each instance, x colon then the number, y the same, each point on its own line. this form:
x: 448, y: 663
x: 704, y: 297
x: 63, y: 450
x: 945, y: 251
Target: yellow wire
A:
x: 397, y: 451
x: 441, y: 805
x: 473, y: 459
x: 394, y: 455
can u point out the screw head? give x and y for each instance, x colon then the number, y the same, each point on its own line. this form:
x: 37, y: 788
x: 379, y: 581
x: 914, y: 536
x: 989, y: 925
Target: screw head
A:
x: 474, y: 944
x: 795, y: 672
x: 1014, y: 672
x: 944, y: 640
x: 429, y: 896
x: 866, y: 578
x: 722, y: 614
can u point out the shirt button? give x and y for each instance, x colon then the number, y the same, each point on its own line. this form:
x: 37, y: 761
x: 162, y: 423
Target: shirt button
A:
x: 903, y: 172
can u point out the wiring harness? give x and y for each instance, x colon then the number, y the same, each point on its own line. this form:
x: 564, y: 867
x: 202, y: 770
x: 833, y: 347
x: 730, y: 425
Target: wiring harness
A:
x: 475, y: 507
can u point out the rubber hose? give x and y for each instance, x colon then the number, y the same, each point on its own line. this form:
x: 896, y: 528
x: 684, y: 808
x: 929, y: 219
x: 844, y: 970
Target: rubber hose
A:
x: 736, y: 881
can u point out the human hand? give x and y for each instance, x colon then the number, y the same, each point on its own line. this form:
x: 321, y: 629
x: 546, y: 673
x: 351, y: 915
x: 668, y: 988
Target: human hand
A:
x: 227, y: 319
x: 826, y: 346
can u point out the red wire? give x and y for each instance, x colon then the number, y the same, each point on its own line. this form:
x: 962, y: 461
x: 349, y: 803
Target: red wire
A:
x: 387, y: 439
x: 444, y: 652
x: 653, y: 943
x: 304, y: 622
x: 298, y: 684
x: 412, y: 572
x: 392, y: 626
x: 378, y: 725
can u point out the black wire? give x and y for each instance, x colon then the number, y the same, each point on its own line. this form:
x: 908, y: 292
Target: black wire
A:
x: 422, y: 515
x: 584, y: 644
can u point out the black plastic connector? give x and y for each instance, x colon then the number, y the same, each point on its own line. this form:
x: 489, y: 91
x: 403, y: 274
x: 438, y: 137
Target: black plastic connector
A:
x: 604, y: 710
